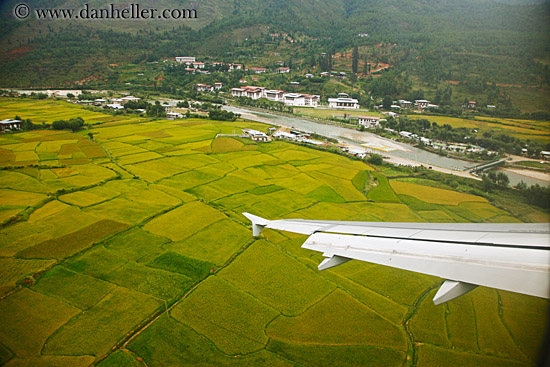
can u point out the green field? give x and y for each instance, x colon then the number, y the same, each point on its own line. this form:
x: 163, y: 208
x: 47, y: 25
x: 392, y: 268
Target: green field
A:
x: 131, y: 249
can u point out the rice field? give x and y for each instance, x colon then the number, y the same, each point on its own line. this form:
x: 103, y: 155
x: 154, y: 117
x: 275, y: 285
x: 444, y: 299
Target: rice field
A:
x: 101, y: 236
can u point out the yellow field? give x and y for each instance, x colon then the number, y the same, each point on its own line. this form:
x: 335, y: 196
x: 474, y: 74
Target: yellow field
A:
x: 147, y: 217
x: 432, y: 194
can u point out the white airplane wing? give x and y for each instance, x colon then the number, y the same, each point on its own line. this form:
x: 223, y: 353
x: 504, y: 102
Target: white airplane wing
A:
x: 507, y: 256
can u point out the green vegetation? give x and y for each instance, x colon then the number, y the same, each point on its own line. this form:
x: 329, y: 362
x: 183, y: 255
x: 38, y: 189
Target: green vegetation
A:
x: 140, y: 255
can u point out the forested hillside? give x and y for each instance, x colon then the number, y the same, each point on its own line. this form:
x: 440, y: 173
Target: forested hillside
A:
x: 474, y: 42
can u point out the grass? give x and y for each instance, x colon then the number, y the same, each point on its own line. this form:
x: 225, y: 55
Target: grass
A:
x: 233, y: 320
x: 330, y: 355
x: 61, y: 247
x: 168, y: 342
x: 197, y: 216
x: 383, y: 191
x: 428, y: 325
x: 288, y: 279
x: 399, y: 285
x: 214, y: 244
x: 78, y: 290
x: 136, y: 244
x: 94, y: 332
x: 158, y: 283
x: 429, y: 355
x: 338, y: 320
x: 27, y: 311
x: 433, y: 195
x: 11, y: 270
x: 177, y: 263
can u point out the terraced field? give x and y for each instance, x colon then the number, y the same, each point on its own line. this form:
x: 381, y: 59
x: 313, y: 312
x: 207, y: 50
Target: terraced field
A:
x: 131, y: 250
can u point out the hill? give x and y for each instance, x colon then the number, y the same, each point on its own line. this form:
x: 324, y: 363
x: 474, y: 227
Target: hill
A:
x: 476, y: 42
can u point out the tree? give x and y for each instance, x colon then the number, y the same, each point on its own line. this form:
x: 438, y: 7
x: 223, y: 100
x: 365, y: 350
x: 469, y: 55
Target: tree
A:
x: 375, y: 159
x: 354, y: 59
x: 386, y: 102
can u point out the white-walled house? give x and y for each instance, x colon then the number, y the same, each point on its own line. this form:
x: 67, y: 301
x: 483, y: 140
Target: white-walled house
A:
x: 185, y: 59
x: 369, y: 121
x: 348, y: 103
x: 274, y: 95
x: 311, y: 100
x: 294, y: 99
x: 421, y: 103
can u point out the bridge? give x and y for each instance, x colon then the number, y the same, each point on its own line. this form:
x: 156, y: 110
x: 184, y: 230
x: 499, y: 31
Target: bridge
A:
x: 486, y: 165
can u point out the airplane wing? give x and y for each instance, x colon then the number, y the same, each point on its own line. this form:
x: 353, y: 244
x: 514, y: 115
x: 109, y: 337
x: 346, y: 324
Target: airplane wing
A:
x: 507, y: 256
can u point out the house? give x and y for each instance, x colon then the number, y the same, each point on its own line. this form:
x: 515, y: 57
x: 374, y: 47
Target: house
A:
x: 204, y: 88
x: 188, y: 60
x: 274, y: 95
x: 347, y: 103
x: 114, y: 106
x: 258, y: 70
x: 311, y: 100
x: 218, y: 86
x: 284, y: 135
x: 358, y: 153
x: 405, y: 104
x: 248, y: 91
x: 174, y: 115
x: 116, y: 100
x: 85, y: 102
x: 256, y: 135
x: 242, y: 81
x: 282, y: 70
x: 309, y: 76
x: 369, y: 121
x: 100, y: 101
x: 325, y: 73
x: 421, y: 103
x: 294, y: 99
x: 295, y: 84
x: 130, y: 98
x: 10, y: 124
x: 545, y: 154
x: 472, y: 105
x: 406, y: 134
x: 391, y: 114
x: 198, y: 65
x: 235, y: 67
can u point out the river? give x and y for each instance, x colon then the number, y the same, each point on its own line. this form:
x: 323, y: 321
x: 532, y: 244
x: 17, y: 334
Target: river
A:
x: 397, y: 152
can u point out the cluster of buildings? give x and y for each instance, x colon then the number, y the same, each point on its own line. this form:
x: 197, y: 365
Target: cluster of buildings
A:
x: 289, y: 99
x: 113, y: 103
x: 209, y: 88
x: 197, y: 66
x: 419, y: 103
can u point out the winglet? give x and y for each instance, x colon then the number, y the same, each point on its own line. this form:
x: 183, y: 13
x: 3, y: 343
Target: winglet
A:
x: 258, y: 223
x: 451, y: 290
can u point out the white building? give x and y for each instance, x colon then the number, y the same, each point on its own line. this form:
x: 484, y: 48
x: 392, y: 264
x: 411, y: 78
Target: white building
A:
x: 198, y: 65
x: 294, y: 99
x: 248, y: 91
x: 405, y: 104
x: 218, y: 85
x: 114, y: 106
x: 204, y: 88
x: 348, y: 103
x: 9, y: 124
x: 130, y: 98
x: 274, y: 95
x: 311, y: 100
x: 185, y: 59
x: 174, y: 115
x: 369, y: 121
x: 421, y: 103
x: 256, y: 135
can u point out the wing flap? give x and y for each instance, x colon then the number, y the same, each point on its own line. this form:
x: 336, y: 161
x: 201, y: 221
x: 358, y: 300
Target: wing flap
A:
x: 517, y: 270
